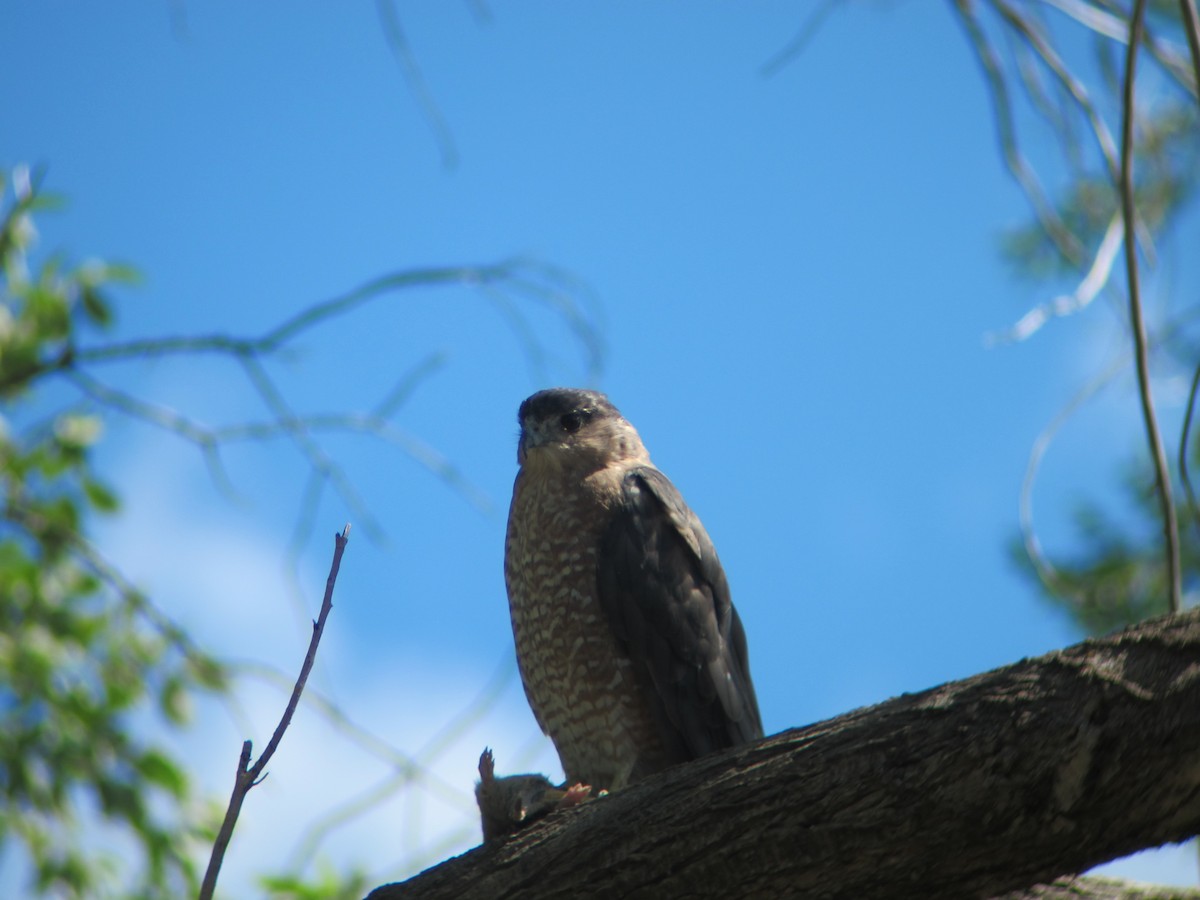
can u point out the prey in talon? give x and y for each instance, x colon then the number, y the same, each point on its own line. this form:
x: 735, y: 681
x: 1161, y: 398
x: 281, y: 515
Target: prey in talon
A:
x: 511, y: 802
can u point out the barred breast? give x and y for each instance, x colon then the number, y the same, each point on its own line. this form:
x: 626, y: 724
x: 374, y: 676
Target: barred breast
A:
x: 581, y: 687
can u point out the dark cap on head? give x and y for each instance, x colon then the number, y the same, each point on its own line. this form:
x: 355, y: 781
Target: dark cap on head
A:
x: 554, y: 402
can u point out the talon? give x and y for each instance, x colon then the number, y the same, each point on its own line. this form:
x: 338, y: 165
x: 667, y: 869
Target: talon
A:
x: 574, y: 795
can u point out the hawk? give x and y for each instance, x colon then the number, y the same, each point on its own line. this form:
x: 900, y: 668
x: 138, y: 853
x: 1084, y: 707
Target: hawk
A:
x: 632, y: 655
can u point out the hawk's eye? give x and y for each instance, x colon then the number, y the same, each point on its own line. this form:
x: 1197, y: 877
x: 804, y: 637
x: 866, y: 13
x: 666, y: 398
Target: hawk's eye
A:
x: 571, y: 422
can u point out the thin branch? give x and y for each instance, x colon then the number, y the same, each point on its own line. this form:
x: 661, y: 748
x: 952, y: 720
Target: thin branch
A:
x: 385, y: 284
x: 1193, y: 510
x: 1137, y: 322
x: 557, y: 289
x: 302, y: 528
x: 302, y: 321
x: 1046, y: 571
x: 339, y: 547
x: 1167, y: 55
x: 363, y: 423
x: 479, y: 9
x: 236, y: 798
x: 520, y: 326
x: 1090, y: 17
x: 1191, y: 26
x: 1066, y: 242
x: 361, y: 737
x: 393, y: 33
x: 1050, y: 104
x: 502, y: 676
x: 414, y: 770
x: 318, y: 459
x: 1066, y: 304
x: 347, y: 810
x: 796, y: 45
x: 408, y: 382
x: 502, y: 283
x: 161, y: 417
x: 151, y: 348
x: 532, y: 278
x: 1041, y: 44
x: 248, y: 776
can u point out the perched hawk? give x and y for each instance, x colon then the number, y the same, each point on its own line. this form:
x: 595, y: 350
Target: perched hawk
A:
x: 632, y: 655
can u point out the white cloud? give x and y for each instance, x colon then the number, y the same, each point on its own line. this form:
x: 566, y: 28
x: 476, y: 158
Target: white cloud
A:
x: 218, y: 572
x: 320, y: 774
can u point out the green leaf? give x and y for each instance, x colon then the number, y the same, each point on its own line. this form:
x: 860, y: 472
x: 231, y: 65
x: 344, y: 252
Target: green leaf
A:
x: 157, y: 769
x: 95, y: 305
x: 100, y: 496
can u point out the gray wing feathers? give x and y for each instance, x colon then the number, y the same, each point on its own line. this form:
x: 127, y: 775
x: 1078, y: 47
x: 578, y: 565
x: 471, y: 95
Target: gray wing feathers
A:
x: 665, y: 595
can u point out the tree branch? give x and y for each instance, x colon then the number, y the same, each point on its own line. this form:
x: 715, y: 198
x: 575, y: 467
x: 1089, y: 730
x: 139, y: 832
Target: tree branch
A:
x: 250, y: 775
x: 1006, y: 131
x: 1191, y: 25
x: 984, y: 786
x: 1092, y: 888
x: 1137, y: 323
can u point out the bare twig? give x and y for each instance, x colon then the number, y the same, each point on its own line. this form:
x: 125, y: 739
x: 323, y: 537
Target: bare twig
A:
x: 1191, y: 26
x: 410, y: 771
x: 318, y: 460
x: 479, y: 9
x: 1193, y: 510
x: 520, y: 277
x: 404, y: 387
x: 364, y: 423
x: 800, y: 40
x: 1046, y: 571
x: 1067, y: 243
x: 362, y: 738
x: 394, y: 35
x: 502, y: 283
x: 1065, y: 304
x: 1166, y: 54
x: 1092, y: 18
x: 1038, y: 40
x: 309, y: 317
x: 1137, y: 322
x: 250, y: 775
x: 161, y: 417
x: 302, y: 528
x: 557, y: 288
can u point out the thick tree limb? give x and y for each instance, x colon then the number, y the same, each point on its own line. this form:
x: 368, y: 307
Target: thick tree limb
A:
x: 1092, y: 888
x: 972, y: 789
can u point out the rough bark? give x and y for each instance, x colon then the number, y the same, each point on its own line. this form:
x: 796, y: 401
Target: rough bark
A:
x: 973, y: 789
x: 1092, y: 888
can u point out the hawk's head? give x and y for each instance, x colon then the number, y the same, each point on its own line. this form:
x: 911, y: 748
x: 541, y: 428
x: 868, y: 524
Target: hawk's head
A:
x: 571, y: 426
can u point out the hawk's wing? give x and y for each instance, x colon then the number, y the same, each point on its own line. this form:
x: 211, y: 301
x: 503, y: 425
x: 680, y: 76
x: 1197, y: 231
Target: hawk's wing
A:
x: 664, y: 593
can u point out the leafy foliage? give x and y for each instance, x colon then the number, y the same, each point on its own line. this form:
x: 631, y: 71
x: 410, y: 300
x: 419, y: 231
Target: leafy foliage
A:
x: 81, y: 651
x: 1167, y: 166
x: 328, y: 884
x: 1118, y: 575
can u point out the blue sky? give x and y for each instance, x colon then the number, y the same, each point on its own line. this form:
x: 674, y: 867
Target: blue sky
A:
x: 792, y: 278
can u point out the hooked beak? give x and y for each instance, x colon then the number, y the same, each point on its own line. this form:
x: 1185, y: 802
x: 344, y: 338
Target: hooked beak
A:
x: 530, y: 438
x: 522, y: 447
